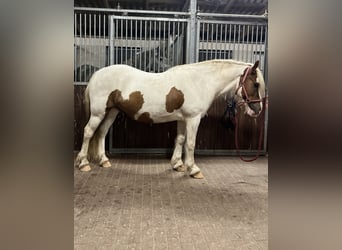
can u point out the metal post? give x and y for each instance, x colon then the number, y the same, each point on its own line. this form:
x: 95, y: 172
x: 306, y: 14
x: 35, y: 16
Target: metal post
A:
x: 192, y: 32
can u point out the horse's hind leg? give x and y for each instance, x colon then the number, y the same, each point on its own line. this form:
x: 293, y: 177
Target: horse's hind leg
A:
x: 89, y: 131
x: 176, y: 160
x: 191, y: 132
x: 102, y: 131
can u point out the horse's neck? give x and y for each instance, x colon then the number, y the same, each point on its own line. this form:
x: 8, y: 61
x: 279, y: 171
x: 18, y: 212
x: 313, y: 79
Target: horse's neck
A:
x: 224, y: 77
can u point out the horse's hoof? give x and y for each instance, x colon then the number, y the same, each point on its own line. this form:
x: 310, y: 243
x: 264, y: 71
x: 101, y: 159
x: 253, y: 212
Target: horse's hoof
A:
x: 198, y: 175
x: 180, y: 168
x: 85, y: 168
x: 106, y: 164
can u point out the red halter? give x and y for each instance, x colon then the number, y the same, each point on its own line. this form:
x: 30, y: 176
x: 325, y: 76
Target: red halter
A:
x: 248, y: 100
x: 242, y: 86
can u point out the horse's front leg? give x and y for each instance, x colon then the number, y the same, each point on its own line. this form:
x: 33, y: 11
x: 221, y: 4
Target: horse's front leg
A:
x: 191, y: 132
x: 176, y: 160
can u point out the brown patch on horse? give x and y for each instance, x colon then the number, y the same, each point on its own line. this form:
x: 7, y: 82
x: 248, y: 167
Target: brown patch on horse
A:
x: 130, y: 106
x: 145, y: 118
x: 174, y: 100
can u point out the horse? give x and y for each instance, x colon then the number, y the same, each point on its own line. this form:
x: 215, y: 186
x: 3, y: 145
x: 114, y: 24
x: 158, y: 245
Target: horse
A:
x: 183, y: 93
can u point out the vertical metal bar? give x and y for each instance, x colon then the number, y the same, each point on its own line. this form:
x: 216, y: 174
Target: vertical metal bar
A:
x: 160, y: 44
x: 111, y: 40
x: 115, y: 38
x: 154, y: 48
x: 230, y: 41
x: 96, y: 44
x: 216, y: 38
x: 85, y: 47
x: 126, y: 41
x: 212, y: 41
x: 248, y: 44
x: 75, y: 48
x: 92, y: 54
x: 150, y: 46
x: 201, y: 44
x: 121, y: 41
x: 176, y: 44
x: 207, y: 43
x: 238, y: 43
x: 252, y: 43
x: 168, y: 42
x: 225, y: 41
x: 145, y: 48
x: 136, y: 47
x: 104, y: 36
x: 234, y: 43
x: 181, y: 45
x: 173, y: 45
x: 266, y: 82
x: 193, y: 37
x: 164, y: 44
x: 200, y: 37
x: 131, y: 47
x: 257, y: 42
x: 140, y: 44
x: 261, y: 46
x: 243, y: 44
x: 221, y: 34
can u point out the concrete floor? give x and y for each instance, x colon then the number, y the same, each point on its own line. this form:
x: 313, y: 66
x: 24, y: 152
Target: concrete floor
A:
x: 140, y: 203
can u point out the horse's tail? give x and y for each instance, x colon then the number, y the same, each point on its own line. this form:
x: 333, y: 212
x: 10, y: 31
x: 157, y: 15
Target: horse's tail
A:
x: 93, y: 154
x: 86, y: 103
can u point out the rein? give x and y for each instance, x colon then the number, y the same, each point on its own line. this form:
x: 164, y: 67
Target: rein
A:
x: 247, y: 100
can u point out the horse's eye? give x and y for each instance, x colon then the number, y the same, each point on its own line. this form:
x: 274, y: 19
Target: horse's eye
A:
x: 256, y: 84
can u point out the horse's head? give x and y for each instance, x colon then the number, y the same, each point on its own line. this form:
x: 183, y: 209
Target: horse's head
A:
x: 252, y: 90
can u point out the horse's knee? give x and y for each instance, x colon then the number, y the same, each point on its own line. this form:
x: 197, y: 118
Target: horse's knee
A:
x: 180, y: 139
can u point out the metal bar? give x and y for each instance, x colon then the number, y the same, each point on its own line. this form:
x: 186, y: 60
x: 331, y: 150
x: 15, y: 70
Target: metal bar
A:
x: 225, y: 42
x: 144, y: 68
x: 159, y: 30
x: 111, y: 40
x: 173, y: 46
x: 207, y: 51
x: 164, y: 44
x: 239, y: 43
x: 126, y: 32
x: 154, y: 49
x: 167, y: 43
x: 121, y: 37
x: 211, y: 41
x: 216, y: 38
x: 192, y: 34
x: 85, y: 48
x: 116, y: 32
x: 263, y: 17
x: 152, y: 18
x: 221, y: 50
x: 234, y: 22
x: 141, y: 49
x: 132, y: 11
x: 248, y: 53
x: 131, y: 49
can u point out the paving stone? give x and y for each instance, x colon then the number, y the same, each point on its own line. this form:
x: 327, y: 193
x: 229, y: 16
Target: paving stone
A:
x: 140, y: 203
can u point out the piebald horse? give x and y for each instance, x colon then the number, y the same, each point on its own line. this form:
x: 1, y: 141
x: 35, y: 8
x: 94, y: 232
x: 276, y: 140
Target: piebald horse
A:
x: 183, y: 93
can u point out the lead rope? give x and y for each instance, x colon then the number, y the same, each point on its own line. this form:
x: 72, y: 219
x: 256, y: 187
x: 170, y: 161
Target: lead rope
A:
x: 260, y: 134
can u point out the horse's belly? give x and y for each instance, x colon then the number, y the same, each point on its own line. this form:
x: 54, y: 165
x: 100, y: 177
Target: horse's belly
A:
x: 155, y: 117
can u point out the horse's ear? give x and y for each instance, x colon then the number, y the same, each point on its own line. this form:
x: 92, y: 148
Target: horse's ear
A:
x: 256, y: 64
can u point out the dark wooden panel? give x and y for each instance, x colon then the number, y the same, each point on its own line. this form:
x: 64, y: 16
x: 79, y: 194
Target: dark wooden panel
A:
x: 79, y: 116
x: 211, y: 134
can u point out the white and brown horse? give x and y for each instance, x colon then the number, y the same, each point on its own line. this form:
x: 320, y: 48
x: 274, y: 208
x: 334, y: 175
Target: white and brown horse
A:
x: 183, y: 94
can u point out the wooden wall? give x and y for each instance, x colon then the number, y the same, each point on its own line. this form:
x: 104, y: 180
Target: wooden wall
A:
x: 131, y: 134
